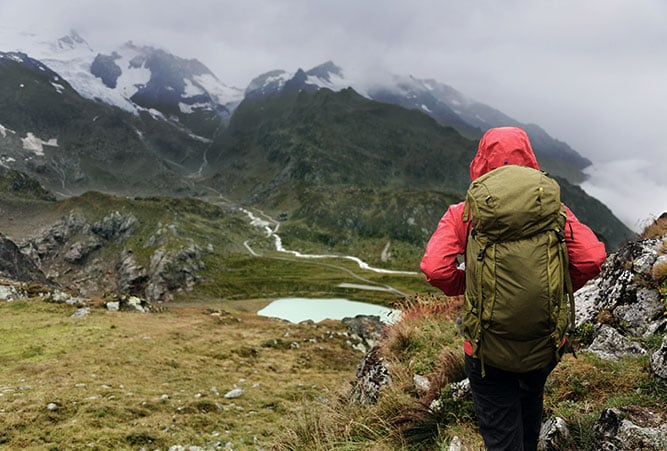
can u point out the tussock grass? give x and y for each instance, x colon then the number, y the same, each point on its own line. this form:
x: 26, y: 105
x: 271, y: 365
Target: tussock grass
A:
x: 657, y: 229
x: 579, y: 389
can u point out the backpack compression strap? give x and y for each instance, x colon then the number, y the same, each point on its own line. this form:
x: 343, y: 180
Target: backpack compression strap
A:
x: 567, y: 277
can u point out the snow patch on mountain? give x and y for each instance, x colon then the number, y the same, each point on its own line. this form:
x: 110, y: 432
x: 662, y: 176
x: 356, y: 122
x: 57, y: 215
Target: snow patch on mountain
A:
x: 192, y: 90
x: 269, y: 82
x: 191, y: 108
x: 334, y: 83
x: 36, y: 145
x: 135, y: 74
x: 4, y: 130
x: 59, y: 88
x: 221, y: 93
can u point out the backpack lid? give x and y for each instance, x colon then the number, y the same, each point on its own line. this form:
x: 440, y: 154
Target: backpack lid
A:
x: 513, y: 202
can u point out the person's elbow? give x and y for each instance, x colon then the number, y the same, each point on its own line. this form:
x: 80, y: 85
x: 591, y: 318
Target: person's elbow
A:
x: 449, y: 280
x: 586, y: 269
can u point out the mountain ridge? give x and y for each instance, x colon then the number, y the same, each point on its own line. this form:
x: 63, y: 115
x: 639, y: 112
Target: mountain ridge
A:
x: 165, y: 90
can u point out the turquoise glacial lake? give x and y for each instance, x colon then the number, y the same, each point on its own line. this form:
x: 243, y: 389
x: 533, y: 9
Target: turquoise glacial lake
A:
x: 296, y: 310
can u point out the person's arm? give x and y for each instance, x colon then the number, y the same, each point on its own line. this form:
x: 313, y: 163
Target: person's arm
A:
x: 585, y: 252
x: 447, y: 242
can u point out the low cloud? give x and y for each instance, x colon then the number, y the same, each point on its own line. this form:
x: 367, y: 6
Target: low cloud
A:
x: 626, y: 188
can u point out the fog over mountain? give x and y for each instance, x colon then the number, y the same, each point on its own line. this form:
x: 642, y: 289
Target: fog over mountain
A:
x: 590, y: 74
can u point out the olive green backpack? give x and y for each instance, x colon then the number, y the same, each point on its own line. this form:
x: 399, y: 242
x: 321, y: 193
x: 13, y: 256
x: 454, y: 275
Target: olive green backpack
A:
x: 516, y: 309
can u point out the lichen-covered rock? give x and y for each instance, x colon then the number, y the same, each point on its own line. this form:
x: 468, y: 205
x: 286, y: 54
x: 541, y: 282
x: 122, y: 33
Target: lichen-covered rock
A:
x: 609, y: 344
x: 659, y: 362
x: 623, y: 302
x: 372, y: 375
x: 631, y: 428
x: 643, y: 317
x: 553, y: 435
x: 422, y: 384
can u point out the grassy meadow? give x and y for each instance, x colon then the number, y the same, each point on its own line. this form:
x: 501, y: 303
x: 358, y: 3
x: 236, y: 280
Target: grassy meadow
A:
x: 123, y: 380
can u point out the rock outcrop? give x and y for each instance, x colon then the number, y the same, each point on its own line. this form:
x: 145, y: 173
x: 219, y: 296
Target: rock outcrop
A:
x: 631, y: 428
x: 624, y: 301
x: 80, y: 255
x: 14, y: 265
x: 372, y: 375
x: 625, y: 304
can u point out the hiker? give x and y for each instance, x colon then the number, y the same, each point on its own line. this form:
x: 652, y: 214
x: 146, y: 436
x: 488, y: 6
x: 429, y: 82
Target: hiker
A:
x: 507, y: 377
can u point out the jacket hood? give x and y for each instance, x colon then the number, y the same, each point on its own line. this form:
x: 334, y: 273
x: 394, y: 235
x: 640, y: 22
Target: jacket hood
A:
x: 502, y: 146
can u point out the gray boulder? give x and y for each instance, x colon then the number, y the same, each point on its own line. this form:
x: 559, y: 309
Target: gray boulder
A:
x: 553, y: 435
x: 631, y: 428
x: 659, y: 362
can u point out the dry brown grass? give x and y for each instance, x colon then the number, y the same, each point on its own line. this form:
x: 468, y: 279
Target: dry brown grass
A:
x: 657, y: 229
x: 425, y: 330
x: 659, y: 272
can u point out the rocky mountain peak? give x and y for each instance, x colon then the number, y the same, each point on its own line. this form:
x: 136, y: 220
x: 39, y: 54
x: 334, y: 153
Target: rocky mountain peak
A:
x: 325, y: 71
x: 266, y: 83
x: 72, y: 41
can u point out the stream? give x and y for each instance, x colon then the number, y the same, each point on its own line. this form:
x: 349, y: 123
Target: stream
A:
x: 272, y: 233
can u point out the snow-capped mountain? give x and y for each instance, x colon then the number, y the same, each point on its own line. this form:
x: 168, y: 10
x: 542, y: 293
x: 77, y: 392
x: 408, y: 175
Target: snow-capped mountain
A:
x: 326, y: 75
x: 71, y: 144
x: 438, y: 100
x: 154, y: 78
x: 132, y: 77
x: 140, y: 78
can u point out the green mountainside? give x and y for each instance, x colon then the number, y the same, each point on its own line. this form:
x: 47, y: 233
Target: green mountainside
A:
x: 325, y: 139
x: 343, y: 168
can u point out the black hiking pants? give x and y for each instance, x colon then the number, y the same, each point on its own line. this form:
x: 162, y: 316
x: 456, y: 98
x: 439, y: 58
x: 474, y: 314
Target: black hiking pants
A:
x: 508, y: 405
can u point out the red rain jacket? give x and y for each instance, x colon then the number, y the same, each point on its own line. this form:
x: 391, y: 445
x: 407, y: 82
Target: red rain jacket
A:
x: 498, y: 147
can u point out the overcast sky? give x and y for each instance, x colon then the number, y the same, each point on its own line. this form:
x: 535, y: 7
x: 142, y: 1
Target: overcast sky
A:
x: 592, y: 73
